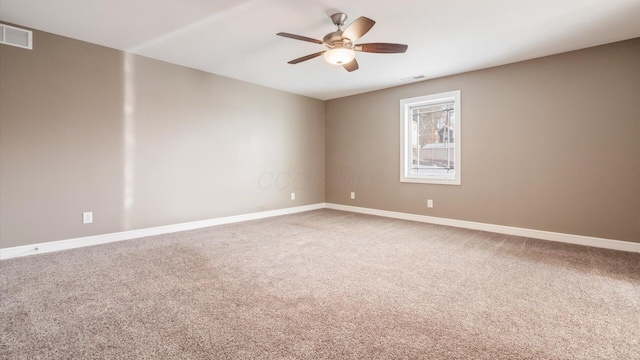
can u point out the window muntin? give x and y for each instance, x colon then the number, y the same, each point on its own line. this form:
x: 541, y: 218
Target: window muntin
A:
x: 431, y: 139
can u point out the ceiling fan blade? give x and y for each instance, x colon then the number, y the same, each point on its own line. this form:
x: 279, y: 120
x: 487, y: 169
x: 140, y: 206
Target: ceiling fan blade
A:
x: 381, y: 48
x: 305, y: 58
x: 298, y: 37
x: 351, y: 65
x: 358, y: 28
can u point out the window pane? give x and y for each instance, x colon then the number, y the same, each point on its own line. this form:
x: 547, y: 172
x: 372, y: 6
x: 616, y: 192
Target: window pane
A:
x: 432, y: 140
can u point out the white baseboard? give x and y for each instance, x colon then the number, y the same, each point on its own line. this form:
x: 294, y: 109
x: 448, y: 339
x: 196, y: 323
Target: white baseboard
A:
x: 46, y: 247
x: 508, y: 230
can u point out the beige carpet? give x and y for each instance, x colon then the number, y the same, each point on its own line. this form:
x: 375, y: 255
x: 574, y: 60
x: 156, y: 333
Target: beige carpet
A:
x: 323, y: 284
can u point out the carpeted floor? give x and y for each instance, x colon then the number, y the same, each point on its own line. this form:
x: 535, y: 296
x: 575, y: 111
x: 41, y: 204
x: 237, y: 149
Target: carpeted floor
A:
x: 323, y: 284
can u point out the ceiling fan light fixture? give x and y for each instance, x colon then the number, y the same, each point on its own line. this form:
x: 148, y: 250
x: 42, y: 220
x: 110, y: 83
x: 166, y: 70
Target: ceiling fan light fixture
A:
x: 339, y: 56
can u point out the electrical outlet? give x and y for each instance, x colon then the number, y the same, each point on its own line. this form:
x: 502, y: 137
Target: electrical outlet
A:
x: 293, y: 196
x: 430, y: 203
x: 353, y: 195
x: 87, y: 217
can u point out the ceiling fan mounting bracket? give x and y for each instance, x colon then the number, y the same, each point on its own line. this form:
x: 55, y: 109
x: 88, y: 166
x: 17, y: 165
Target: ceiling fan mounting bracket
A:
x: 339, y: 19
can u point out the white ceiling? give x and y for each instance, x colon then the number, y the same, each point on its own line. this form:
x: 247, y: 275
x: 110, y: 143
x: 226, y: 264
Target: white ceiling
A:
x: 236, y: 38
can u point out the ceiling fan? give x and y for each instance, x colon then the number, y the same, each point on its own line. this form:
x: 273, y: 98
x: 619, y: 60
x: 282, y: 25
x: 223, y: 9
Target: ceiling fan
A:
x: 341, y: 44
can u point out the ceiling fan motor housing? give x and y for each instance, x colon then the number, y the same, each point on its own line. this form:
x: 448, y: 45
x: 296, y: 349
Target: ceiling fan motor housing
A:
x: 335, y: 40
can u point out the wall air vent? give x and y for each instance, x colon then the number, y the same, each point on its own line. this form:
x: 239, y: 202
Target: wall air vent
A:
x: 14, y: 36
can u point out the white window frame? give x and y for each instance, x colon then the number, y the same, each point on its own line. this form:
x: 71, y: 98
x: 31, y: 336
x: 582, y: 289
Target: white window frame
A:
x: 405, y: 138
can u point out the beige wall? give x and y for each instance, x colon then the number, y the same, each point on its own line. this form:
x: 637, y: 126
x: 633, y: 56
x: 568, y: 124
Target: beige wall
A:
x: 142, y: 143
x: 550, y: 144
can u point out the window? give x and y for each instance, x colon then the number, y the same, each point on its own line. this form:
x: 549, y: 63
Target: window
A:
x: 430, y: 139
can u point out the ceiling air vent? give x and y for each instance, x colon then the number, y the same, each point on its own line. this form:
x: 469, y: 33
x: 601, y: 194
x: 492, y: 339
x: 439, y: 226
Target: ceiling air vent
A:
x: 414, y: 78
x: 16, y: 37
